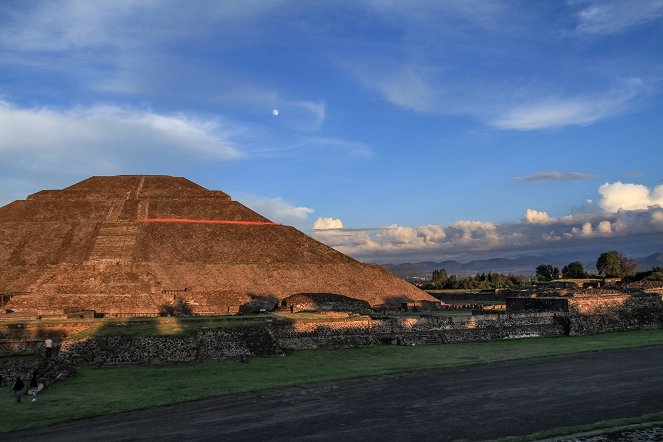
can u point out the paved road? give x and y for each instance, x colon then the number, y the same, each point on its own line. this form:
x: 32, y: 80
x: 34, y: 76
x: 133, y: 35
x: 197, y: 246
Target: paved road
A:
x: 478, y: 402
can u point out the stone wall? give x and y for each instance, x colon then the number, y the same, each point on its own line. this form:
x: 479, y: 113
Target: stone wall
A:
x: 589, y: 325
x: 363, y: 332
x: 29, y: 337
x: 329, y: 302
x: 598, y: 305
x: 629, y: 312
x: 527, y: 304
x: 582, y: 315
x: 220, y: 344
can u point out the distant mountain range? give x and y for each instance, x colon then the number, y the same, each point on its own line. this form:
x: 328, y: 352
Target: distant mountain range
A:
x: 523, y: 265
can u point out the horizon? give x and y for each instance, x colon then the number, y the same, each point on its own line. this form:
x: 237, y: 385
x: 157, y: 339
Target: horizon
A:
x: 392, y: 132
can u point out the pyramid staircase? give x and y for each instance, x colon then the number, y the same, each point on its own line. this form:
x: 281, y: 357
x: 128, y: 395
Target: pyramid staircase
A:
x: 117, y: 234
x: 115, y: 242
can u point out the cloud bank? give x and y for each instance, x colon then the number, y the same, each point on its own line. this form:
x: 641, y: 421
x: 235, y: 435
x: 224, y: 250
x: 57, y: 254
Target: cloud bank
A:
x: 94, y: 132
x: 536, y: 232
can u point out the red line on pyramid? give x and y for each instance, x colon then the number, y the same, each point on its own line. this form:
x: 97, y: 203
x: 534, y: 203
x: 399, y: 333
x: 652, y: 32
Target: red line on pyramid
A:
x: 207, y: 221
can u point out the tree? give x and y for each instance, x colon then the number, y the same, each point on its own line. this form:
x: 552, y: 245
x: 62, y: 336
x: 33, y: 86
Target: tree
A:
x: 439, y: 279
x: 546, y: 272
x: 612, y: 264
x: 575, y: 269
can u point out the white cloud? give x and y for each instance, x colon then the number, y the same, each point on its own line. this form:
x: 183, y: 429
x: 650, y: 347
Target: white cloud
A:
x: 279, y: 210
x: 334, y: 146
x: 471, y: 231
x: 504, y: 104
x: 95, y: 132
x: 601, y: 229
x: 51, y: 147
x: 75, y: 24
x: 426, y: 70
x: 409, y: 87
x: 613, y: 16
x: 537, y: 217
x: 142, y: 48
x: 616, y: 196
x: 604, y: 228
x: 324, y: 223
x: 570, y: 111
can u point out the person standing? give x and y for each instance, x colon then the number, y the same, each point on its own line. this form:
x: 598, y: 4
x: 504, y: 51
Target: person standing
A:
x: 18, y: 389
x: 33, y: 386
x: 48, y: 343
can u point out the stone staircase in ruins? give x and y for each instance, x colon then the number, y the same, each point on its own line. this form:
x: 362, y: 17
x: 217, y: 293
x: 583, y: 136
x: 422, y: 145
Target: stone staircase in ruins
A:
x: 115, y: 242
x: 117, y: 234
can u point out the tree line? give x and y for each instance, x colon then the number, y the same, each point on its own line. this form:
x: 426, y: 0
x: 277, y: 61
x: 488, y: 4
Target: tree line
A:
x: 480, y: 281
x: 610, y: 264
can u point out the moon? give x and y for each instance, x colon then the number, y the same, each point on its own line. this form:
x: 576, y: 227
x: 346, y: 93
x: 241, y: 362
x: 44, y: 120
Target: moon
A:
x: 275, y: 112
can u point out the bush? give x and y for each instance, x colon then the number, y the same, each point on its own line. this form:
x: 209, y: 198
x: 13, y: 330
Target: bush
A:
x: 179, y: 308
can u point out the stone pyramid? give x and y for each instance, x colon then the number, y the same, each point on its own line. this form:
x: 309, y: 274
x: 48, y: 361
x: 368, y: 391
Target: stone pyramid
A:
x: 128, y: 245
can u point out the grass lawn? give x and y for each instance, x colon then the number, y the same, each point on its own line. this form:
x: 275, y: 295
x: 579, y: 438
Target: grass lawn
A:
x: 96, y: 391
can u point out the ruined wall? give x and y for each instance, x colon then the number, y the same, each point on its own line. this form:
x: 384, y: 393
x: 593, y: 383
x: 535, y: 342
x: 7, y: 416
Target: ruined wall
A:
x: 585, y: 315
x: 207, y: 345
x: 598, y: 305
x: 329, y: 302
x: 522, y: 304
x: 365, y: 331
x: 589, y: 325
x: 28, y: 338
x: 628, y: 312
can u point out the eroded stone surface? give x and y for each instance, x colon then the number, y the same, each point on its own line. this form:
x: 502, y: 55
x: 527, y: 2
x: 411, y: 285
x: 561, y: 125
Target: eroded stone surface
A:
x: 90, y: 247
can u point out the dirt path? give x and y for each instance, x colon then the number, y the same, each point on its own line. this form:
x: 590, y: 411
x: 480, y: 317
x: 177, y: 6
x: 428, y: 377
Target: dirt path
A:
x: 478, y: 402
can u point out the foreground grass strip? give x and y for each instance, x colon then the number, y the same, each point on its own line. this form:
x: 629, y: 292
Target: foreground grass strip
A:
x: 98, y: 391
x: 647, y: 420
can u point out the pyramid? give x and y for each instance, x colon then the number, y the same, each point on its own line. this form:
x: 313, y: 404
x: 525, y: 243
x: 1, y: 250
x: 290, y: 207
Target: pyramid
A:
x: 128, y: 245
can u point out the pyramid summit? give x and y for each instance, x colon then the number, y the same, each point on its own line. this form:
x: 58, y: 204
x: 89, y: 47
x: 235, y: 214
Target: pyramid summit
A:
x: 128, y: 245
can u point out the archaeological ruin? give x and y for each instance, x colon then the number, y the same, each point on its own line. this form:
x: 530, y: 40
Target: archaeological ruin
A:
x: 127, y: 247
x: 131, y: 245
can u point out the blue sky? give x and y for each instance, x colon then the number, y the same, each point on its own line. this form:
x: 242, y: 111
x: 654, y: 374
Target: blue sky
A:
x: 405, y: 130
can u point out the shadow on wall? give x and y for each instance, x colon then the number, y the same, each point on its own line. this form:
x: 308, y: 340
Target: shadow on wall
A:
x: 259, y: 304
x: 402, y: 303
x: 323, y: 302
x: 179, y: 308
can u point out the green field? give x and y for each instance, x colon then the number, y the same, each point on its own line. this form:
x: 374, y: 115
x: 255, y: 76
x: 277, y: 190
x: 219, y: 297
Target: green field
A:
x: 96, y: 391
